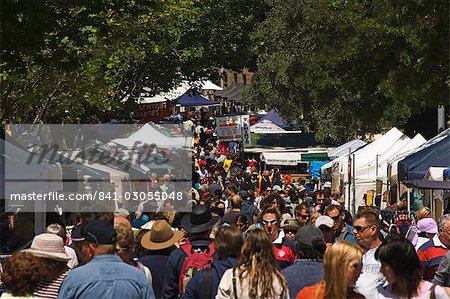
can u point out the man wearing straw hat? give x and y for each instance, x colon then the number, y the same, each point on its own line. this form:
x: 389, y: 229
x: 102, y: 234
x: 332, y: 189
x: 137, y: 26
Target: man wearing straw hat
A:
x: 105, y: 275
x: 160, y: 241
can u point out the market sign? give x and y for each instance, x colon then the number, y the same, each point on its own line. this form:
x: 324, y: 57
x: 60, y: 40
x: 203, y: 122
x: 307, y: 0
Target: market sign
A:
x: 154, y: 110
x: 282, y: 159
x: 233, y: 128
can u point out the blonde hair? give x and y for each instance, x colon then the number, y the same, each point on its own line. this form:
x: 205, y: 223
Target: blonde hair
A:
x: 125, y: 237
x: 423, y: 212
x: 336, y: 259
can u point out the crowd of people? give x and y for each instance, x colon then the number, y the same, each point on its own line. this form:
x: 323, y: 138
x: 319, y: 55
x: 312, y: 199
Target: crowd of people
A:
x: 246, y: 235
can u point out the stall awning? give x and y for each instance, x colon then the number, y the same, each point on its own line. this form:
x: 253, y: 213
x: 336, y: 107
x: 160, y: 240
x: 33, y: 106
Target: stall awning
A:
x: 315, y: 157
x: 424, y: 184
x: 194, y: 99
x: 232, y: 92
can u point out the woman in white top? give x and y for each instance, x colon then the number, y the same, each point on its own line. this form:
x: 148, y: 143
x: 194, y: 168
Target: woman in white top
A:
x: 256, y: 275
x: 401, y: 267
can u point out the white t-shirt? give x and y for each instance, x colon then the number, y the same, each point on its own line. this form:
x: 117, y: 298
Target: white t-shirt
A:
x: 371, y: 277
x: 73, y: 262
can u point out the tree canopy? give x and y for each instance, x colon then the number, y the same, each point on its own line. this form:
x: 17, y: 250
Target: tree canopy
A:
x: 77, y: 61
x: 352, y: 67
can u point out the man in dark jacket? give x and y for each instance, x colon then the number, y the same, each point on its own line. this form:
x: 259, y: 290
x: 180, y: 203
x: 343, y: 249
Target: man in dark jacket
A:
x: 198, y: 223
x: 205, y: 283
x: 307, y: 270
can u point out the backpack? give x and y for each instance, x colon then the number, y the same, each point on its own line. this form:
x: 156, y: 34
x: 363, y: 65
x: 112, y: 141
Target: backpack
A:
x: 194, y: 261
x: 403, y: 221
x: 394, y: 218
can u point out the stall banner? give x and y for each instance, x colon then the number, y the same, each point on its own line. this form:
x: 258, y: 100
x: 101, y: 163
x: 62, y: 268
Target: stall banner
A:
x: 154, y: 110
x: 246, y: 137
x: 228, y: 128
x: 233, y: 128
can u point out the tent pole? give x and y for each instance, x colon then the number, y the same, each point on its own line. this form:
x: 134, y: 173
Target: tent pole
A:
x: 408, y: 197
x: 354, y: 185
x: 349, y: 177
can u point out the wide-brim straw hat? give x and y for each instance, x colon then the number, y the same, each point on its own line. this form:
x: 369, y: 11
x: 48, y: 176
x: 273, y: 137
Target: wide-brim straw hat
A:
x: 48, y: 246
x: 161, y: 236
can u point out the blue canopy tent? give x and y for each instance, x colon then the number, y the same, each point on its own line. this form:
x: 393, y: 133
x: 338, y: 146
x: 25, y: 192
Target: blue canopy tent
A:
x: 275, y: 118
x: 314, y: 168
x: 416, y: 165
x: 192, y: 98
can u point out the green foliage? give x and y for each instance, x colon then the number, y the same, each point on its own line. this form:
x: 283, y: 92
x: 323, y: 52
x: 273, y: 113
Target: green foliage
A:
x: 76, y: 61
x: 352, y: 67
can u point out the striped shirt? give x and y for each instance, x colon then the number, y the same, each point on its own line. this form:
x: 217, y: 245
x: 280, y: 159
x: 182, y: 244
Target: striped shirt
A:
x: 430, y: 255
x: 50, y: 289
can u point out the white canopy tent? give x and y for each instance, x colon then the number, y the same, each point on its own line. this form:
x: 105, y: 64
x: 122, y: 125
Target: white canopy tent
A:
x: 208, y: 85
x: 148, y: 134
x: 176, y: 92
x: 392, y: 164
x: 338, y: 152
x: 365, y: 164
x: 435, y: 174
x: 26, y: 173
x: 342, y: 150
x: 265, y: 127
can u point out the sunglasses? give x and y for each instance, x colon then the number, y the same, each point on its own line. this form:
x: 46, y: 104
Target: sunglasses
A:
x: 273, y: 222
x: 336, y: 218
x: 360, y: 228
x: 302, y: 216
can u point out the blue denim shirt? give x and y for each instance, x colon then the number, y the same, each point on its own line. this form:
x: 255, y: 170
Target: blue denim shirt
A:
x: 347, y: 235
x: 106, y: 276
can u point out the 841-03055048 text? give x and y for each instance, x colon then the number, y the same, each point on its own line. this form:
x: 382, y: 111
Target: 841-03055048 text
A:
x: 141, y: 196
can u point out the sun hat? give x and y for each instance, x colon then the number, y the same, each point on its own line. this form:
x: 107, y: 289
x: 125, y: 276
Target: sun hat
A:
x: 161, y: 236
x: 327, y: 185
x: 121, y: 212
x: 48, y: 246
x: 427, y: 225
x: 284, y: 217
x: 324, y: 220
x: 199, y: 220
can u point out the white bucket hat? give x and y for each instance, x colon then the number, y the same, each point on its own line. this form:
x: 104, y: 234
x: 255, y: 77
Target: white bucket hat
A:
x: 48, y: 246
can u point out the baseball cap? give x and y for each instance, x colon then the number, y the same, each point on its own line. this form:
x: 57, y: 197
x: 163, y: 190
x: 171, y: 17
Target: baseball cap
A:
x: 276, y: 187
x: 310, y: 236
x: 427, y: 225
x: 96, y: 231
x: 290, y: 223
x: 324, y: 220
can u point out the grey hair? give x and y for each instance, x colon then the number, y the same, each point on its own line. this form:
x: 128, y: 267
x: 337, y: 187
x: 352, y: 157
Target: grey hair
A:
x: 56, y: 229
x: 443, y: 220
